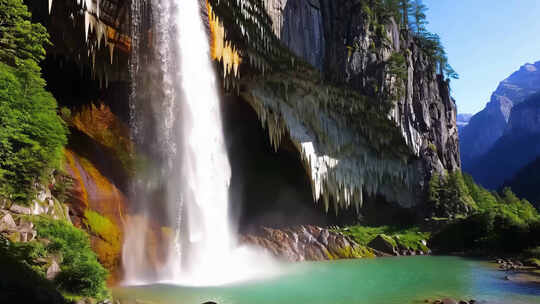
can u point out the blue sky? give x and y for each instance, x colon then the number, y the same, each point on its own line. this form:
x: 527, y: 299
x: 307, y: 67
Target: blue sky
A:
x: 486, y: 41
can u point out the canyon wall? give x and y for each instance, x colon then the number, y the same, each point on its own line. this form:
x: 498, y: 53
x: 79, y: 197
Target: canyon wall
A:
x: 357, y: 96
x: 359, y: 99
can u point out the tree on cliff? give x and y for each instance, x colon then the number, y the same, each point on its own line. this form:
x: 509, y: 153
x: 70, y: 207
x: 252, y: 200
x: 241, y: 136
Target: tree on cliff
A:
x: 418, y: 11
x: 20, y: 39
x: 32, y: 135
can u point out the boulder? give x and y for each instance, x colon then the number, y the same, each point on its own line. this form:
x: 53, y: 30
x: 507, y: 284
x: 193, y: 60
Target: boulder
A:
x: 20, y: 209
x: 7, y: 223
x: 53, y: 270
x: 384, y: 244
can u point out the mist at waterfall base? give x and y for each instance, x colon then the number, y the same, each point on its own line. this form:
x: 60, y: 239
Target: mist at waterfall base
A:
x: 176, y: 117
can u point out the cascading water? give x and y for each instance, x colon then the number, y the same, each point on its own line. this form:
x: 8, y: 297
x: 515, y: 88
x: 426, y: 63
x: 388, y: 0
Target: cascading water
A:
x: 176, y: 114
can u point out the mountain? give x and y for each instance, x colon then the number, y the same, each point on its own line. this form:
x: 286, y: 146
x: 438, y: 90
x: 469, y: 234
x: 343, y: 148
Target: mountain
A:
x: 462, y: 121
x: 488, y: 125
x: 519, y: 146
x: 525, y: 182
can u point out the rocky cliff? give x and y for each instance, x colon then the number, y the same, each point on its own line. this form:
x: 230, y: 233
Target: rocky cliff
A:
x: 519, y: 146
x: 488, y: 125
x: 356, y: 95
x: 360, y: 100
x: 463, y: 121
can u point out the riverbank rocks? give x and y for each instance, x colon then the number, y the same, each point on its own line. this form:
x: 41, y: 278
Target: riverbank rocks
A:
x: 307, y: 243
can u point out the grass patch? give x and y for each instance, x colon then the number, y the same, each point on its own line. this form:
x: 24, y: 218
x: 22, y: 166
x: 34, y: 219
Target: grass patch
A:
x: 409, y: 238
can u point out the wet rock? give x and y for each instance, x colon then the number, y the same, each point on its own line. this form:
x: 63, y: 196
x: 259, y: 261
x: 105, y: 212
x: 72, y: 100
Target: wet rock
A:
x: 384, y: 243
x: 20, y: 209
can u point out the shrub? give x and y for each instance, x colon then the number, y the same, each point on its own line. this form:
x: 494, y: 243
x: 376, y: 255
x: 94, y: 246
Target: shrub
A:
x: 20, y: 282
x: 81, y: 273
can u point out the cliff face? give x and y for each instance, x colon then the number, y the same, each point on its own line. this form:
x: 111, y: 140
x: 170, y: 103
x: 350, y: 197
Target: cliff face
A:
x: 369, y: 116
x: 525, y: 117
x: 488, y: 125
x: 360, y: 101
x: 519, y: 146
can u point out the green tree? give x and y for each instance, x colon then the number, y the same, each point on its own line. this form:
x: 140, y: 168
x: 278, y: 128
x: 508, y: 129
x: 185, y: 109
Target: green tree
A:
x: 418, y: 11
x: 20, y: 39
x: 32, y: 135
x: 405, y: 8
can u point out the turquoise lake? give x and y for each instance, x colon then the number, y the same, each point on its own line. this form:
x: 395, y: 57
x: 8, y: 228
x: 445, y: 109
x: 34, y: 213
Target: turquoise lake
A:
x: 374, y: 281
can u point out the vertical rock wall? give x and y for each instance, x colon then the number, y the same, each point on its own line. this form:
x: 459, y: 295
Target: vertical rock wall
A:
x: 352, y: 48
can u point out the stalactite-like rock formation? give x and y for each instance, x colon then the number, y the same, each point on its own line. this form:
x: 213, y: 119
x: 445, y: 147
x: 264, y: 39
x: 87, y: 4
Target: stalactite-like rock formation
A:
x: 94, y: 33
x: 328, y: 74
x: 359, y: 99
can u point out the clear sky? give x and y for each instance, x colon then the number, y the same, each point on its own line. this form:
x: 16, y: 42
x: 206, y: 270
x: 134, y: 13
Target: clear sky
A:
x: 486, y: 41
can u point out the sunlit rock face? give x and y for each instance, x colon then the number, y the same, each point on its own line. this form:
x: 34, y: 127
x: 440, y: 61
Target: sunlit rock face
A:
x: 98, y: 163
x: 319, y: 71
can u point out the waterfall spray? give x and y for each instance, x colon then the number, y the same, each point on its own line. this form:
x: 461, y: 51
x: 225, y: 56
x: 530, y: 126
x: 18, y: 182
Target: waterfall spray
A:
x: 193, y: 174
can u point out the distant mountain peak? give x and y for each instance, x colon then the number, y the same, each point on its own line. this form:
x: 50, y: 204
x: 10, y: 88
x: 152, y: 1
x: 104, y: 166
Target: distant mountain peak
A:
x: 488, y: 125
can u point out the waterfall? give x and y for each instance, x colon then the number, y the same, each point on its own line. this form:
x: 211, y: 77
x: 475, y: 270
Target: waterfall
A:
x: 184, y: 188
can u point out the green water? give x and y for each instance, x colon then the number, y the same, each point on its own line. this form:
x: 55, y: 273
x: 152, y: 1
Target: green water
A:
x: 373, y: 281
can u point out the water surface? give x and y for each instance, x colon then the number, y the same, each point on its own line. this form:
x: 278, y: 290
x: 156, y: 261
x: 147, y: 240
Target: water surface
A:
x: 374, y: 281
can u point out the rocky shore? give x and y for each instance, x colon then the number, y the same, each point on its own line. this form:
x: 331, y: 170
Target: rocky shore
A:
x: 307, y: 243
x: 311, y: 243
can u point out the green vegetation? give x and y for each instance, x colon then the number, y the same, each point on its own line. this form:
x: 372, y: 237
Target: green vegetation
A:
x: 31, y: 133
x: 449, y: 196
x: 412, y: 16
x: 20, y: 281
x: 498, y: 223
x: 81, y: 274
x: 108, y: 246
x: 406, y: 238
x: 20, y: 39
x: 397, y: 66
